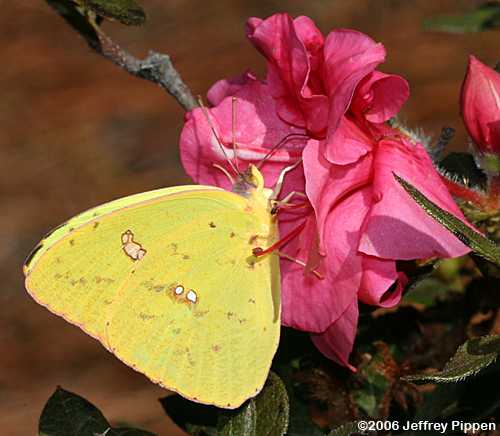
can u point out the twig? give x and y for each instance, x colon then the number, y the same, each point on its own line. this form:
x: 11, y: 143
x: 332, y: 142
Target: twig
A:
x: 156, y: 68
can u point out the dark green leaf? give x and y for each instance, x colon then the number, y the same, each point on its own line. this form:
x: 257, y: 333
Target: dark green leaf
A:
x: 128, y: 432
x: 470, y: 358
x: 192, y: 417
x: 300, y: 422
x: 242, y: 421
x: 68, y: 414
x: 74, y: 16
x: 272, y: 408
x: 473, y: 400
x: 264, y: 415
x: 482, y: 18
x: 442, y: 402
x: 473, y: 239
x: 125, y: 11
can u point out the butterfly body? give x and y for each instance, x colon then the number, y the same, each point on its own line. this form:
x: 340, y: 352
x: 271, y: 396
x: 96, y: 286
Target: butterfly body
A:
x: 166, y: 280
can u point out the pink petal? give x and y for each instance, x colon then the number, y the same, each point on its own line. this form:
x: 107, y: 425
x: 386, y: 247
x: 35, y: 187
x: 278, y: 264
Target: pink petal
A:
x: 494, y: 128
x: 349, y: 144
x: 337, y: 341
x: 228, y: 87
x: 378, y: 276
x: 380, y: 96
x: 312, y: 39
x: 289, y: 46
x: 326, y: 183
x: 480, y: 105
x: 311, y: 303
x: 257, y: 129
x: 397, y: 227
x: 349, y: 57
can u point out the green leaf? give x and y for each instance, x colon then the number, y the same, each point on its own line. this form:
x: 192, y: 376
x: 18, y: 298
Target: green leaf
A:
x: 346, y: 429
x: 265, y: 415
x: 470, y: 358
x: 473, y: 239
x: 425, y: 293
x: 127, y: 12
x: 491, y: 163
x: 440, y: 284
x: 242, y: 421
x: 68, y: 414
x: 484, y: 17
x: 373, y: 386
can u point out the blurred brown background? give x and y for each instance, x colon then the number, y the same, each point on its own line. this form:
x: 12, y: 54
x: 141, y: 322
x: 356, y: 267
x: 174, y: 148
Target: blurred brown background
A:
x: 75, y: 131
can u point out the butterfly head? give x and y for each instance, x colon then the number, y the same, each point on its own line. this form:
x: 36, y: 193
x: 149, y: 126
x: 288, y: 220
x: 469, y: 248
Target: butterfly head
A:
x: 249, y: 182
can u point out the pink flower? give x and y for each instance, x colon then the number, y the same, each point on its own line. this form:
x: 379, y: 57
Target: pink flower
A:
x: 326, y: 104
x: 480, y: 105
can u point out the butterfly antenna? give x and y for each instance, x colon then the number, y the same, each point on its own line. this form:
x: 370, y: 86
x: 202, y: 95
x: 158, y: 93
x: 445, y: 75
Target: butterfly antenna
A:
x: 212, y: 127
x: 278, y: 145
x: 233, y: 133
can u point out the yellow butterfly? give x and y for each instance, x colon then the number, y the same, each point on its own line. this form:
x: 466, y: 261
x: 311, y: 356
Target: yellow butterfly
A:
x: 168, y: 281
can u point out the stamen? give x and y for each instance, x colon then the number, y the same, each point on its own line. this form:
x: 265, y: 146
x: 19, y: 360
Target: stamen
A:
x: 259, y: 251
x: 299, y: 262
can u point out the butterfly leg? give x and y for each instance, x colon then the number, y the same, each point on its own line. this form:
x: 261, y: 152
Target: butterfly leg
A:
x: 259, y: 251
x: 285, y: 202
x: 279, y: 182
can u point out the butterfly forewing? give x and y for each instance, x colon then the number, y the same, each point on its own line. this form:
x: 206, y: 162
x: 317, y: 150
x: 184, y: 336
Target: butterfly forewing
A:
x: 170, y: 286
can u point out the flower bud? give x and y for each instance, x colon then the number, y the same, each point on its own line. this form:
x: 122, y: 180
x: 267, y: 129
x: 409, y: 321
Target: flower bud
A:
x: 480, y: 106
